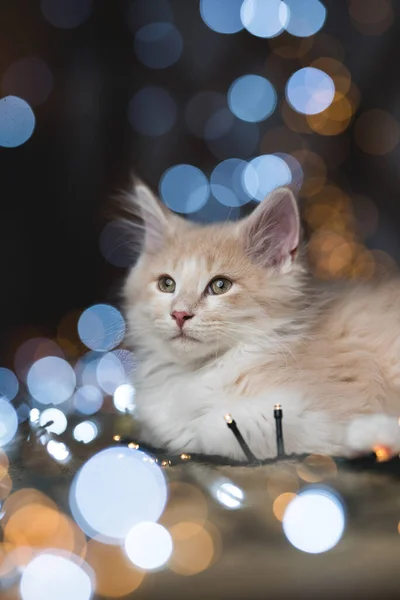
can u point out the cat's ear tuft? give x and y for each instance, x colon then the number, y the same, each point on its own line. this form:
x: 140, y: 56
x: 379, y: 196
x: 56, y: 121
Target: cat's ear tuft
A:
x: 272, y: 231
x: 152, y: 221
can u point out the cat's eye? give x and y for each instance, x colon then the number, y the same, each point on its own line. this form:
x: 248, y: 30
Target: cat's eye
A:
x: 166, y: 284
x: 219, y: 285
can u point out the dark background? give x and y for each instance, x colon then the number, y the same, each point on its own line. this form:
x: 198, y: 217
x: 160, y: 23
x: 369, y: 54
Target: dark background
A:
x: 55, y: 188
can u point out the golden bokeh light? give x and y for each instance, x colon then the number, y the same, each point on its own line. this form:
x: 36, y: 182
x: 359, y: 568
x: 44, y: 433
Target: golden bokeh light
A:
x: 281, y: 139
x: 317, y: 467
x: 281, y: 503
x: 324, y: 45
x: 22, y: 498
x: 334, y: 119
x: 294, y: 120
x: 115, y: 574
x: 5, y: 484
x: 376, y: 132
x: 336, y: 70
x: 196, y: 547
x: 382, y: 453
x: 185, y: 503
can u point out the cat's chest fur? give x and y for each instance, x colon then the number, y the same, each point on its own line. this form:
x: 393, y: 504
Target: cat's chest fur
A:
x: 184, y: 410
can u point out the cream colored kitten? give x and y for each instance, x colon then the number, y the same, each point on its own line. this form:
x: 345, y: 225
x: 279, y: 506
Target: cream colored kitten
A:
x: 224, y: 319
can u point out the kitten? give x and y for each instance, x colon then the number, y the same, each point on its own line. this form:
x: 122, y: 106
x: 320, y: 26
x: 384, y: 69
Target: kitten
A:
x: 224, y: 318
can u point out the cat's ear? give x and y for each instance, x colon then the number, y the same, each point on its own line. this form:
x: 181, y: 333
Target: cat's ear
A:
x: 272, y: 231
x: 152, y: 221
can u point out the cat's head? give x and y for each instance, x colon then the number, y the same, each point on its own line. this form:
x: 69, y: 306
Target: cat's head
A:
x: 199, y: 290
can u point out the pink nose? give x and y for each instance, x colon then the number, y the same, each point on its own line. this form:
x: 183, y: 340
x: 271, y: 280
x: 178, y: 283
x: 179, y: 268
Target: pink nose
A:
x: 181, y: 316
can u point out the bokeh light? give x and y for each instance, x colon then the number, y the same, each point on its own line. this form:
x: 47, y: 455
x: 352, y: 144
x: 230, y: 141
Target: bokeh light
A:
x: 88, y: 399
x: 101, y: 327
x: 116, y: 489
x: 264, y: 174
x: 252, y: 98
x: 148, y: 545
x: 184, y: 188
x: 58, y: 450
x: 49, y: 575
x: 310, y: 91
x: 28, y: 78
x: 306, y: 17
x: 377, y: 132
x: 314, y: 521
x: 280, y: 504
x: 264, y: 19
x: 59, y: 419
x: 196, y: 547
x: 227, y: 182
x: 215, y: 212
x: 222, y: 16
x: 110, y: 373
x: 17, y: 121
x: 317, y: 467
x: 8, y: 384
x: 32, y: 350
x: 85, y: 432
x: 152, y: 111
x: 116, y: 576
x: 86, y: 370
x: 229, y: 495
x: 370, y: 17
x: 158, y: 45
x: 66, y: 14
x: 124, y: 398
x: 8, y: 422
x: 51, y: 380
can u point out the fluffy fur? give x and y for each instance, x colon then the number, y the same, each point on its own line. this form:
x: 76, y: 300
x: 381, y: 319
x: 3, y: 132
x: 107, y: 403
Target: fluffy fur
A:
x: 329, y: 357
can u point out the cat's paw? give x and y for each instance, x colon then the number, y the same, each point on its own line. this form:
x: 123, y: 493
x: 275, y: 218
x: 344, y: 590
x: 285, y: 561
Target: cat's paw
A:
x: 371, y: 433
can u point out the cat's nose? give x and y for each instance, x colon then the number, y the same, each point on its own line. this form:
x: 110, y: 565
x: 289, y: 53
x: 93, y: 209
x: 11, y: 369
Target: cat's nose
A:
x: 181, y: 316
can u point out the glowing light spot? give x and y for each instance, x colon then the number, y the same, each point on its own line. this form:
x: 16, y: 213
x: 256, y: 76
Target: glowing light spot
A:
x: 116, y: 244
x: 264, y: 19
x: 222, y: 16
x: 23, y: 412
x: 252, y: 98
x: 85, y: 432
x: 124, y: 398
x: 8, y: 384
x: 28, y: 78
x: 17, y: 121
x: 227, y: 182
x: 31, y: 351
x: 148, y: 545
x: 314, y: 521
x: 85, y: 369
x: 51, y: 380
x: 110, y: 373
x: 306, y: 17
x: 132, y: 489
x: 58, y: 450
x: 34, y: 415
x: 48, y: 575
x: 116, y: 576
x: 8, y: 422
x: 310, y: 91
x: 158, y: 45
x: 184, y: 188
x: 264, y: 174
x: 59, y: 424
x: 66, y: 14
x: 317, y: 467
x: 88, y: 399
x: 229, y: 495
x: 194, y: 548
x: 281, y: 503
x: 101, y: 327
x: 152, y: 111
